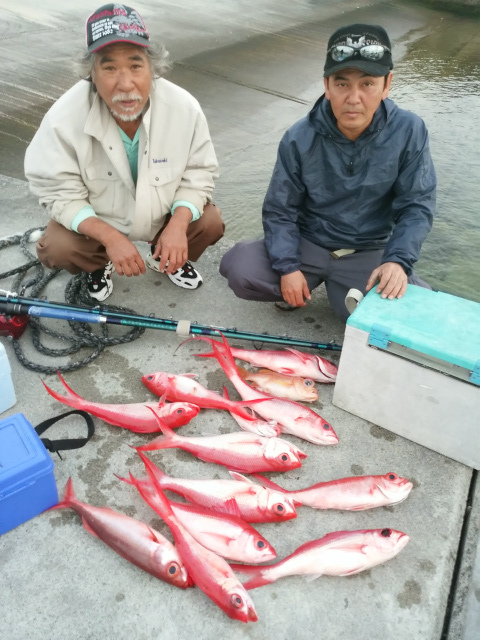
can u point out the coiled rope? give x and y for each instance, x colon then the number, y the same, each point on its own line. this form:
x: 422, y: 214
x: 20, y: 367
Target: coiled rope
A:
x: 76, y: 293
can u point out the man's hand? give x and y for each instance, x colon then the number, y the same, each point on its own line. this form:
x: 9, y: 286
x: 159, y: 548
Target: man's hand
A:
x: 172, y: 244
x: 120, y: 250
x: 295, y: 289
x: 392, y: 280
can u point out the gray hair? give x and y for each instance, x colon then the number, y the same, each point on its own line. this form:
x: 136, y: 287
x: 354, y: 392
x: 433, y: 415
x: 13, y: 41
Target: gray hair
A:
x: 157, y: 56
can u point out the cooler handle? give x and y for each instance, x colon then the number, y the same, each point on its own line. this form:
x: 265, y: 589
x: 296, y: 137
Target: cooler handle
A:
x: 55, y: 446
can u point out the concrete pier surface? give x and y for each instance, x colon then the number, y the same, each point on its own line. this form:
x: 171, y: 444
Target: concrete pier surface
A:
x: 57, y: 581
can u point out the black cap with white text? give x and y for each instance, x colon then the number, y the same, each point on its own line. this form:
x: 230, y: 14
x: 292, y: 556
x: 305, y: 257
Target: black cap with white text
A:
x: 115, y: 23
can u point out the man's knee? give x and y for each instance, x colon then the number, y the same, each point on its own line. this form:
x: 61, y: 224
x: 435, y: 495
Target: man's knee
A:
x: 213, y: 222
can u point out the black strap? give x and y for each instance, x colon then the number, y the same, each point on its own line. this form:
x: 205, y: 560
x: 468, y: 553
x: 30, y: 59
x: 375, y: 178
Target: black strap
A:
x: 69, y: 443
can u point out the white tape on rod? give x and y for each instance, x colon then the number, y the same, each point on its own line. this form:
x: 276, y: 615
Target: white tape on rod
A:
x: 183, y: 328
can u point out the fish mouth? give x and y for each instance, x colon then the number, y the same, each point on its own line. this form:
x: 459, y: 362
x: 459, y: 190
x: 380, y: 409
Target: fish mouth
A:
x: 402, y: 541
x: 406, y: 486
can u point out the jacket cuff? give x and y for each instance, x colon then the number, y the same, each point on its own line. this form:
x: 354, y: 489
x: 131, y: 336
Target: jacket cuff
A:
x: 83, y: 214
x: 184, y: 203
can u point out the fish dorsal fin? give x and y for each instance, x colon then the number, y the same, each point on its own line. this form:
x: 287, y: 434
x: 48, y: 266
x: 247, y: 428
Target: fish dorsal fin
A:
x: 189, y: 375
x: 239, y: 478
x: 303, y: 357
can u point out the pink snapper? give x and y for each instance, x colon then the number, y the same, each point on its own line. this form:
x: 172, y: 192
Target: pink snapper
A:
x: 238, y: 451
x: 247, y: 500
x: 133, y: 540
x: 135, y: 417
x: 342, y: 553
x: 349, y: 494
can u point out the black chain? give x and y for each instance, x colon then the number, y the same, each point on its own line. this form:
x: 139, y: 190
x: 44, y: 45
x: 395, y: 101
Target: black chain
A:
x: 76, y: 293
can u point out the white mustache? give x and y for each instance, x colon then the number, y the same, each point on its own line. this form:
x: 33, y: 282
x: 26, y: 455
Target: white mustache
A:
x: 126, y: 97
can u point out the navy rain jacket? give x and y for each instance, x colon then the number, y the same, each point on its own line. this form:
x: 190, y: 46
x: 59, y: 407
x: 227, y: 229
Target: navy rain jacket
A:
x: 378, y: 191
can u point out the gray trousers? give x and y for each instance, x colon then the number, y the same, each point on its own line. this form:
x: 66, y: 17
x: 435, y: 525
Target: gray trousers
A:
x: 250, y: 275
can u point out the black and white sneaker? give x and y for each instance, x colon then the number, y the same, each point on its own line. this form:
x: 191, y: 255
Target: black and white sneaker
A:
x: 99, y: 282
x: 186, y: 277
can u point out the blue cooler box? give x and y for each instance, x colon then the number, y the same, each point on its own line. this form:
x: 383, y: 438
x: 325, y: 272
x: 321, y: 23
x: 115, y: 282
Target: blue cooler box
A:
x: 412, y: 366
x: 27, y: 483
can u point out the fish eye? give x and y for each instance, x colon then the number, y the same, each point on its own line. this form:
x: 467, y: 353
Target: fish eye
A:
x: 279, y: 508
x: 386, y: 533
x: 260, y: 544
x: 237, y: 601
x: 179, y: 411
x: 284, y: 457
x: 326, y: 426
x: 392, y: 476
x: 308, y: 383
x: 149, y: 377
x: 173, y: 569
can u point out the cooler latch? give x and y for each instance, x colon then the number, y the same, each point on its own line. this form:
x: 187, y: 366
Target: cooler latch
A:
x: 475, y: 375
x: 379, y: 336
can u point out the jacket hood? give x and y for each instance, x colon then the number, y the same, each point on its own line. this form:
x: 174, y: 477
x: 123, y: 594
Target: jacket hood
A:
x: 321, y: 117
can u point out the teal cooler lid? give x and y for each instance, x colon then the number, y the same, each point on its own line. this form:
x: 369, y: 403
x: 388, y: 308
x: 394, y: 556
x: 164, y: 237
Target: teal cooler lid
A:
x: 23, y: 457
x: 437, y: 324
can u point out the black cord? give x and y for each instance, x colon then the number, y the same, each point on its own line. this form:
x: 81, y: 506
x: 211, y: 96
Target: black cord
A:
x: 76, y: 293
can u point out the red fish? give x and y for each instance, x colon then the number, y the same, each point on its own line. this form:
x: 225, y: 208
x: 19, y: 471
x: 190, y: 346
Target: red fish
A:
x: 349, y: 494
x: 210, y: 572
x: 281, y: 386
x: 294, y: 418
x: 257, y: 425
x: 342, y: 553
x: 133, y: 540
x: 184, y: 389
x: 135, y: 417
x: 238, y: 451
x: 247, y: 500
x: 290, y: 362
x: 229, y: 536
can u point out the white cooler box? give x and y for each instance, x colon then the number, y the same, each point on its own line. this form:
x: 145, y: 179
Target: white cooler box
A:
x: 412, y: 366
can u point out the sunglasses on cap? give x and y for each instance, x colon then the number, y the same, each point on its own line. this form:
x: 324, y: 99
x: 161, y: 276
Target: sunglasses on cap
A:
x: 341, y: 52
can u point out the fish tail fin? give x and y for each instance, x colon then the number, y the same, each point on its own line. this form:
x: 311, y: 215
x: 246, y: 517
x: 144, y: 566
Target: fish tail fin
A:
x: 225, y: 358
x: 68, y: 497
x: 257, y: 576
x: 72, y: 399
x: 126, y: 480
x: 163, y: 505
x: 159, y: 474
x: 68, y: 389
x: 167, y: 441
x: 268, y: 483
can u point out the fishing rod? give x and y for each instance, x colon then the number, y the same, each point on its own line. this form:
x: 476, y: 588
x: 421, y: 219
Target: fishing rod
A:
x: 13, y: 307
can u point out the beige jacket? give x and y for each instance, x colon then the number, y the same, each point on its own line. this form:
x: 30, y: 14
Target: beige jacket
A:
x: 77, y: 158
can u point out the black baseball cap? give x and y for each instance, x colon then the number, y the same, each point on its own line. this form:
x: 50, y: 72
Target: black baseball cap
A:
x: 355, y: 37
x: 115, y: 23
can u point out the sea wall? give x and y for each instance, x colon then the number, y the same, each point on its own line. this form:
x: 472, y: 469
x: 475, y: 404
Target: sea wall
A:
x: 470, y: 7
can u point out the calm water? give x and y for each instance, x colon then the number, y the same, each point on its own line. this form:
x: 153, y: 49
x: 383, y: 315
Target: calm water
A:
x: 439, y: 79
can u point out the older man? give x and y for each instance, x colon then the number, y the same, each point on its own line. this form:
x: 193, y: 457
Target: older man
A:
x: 352, y: 195
x: 123, y: 156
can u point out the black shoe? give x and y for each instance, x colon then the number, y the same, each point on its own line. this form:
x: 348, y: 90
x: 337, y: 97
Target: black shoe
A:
x: 99, y: 282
